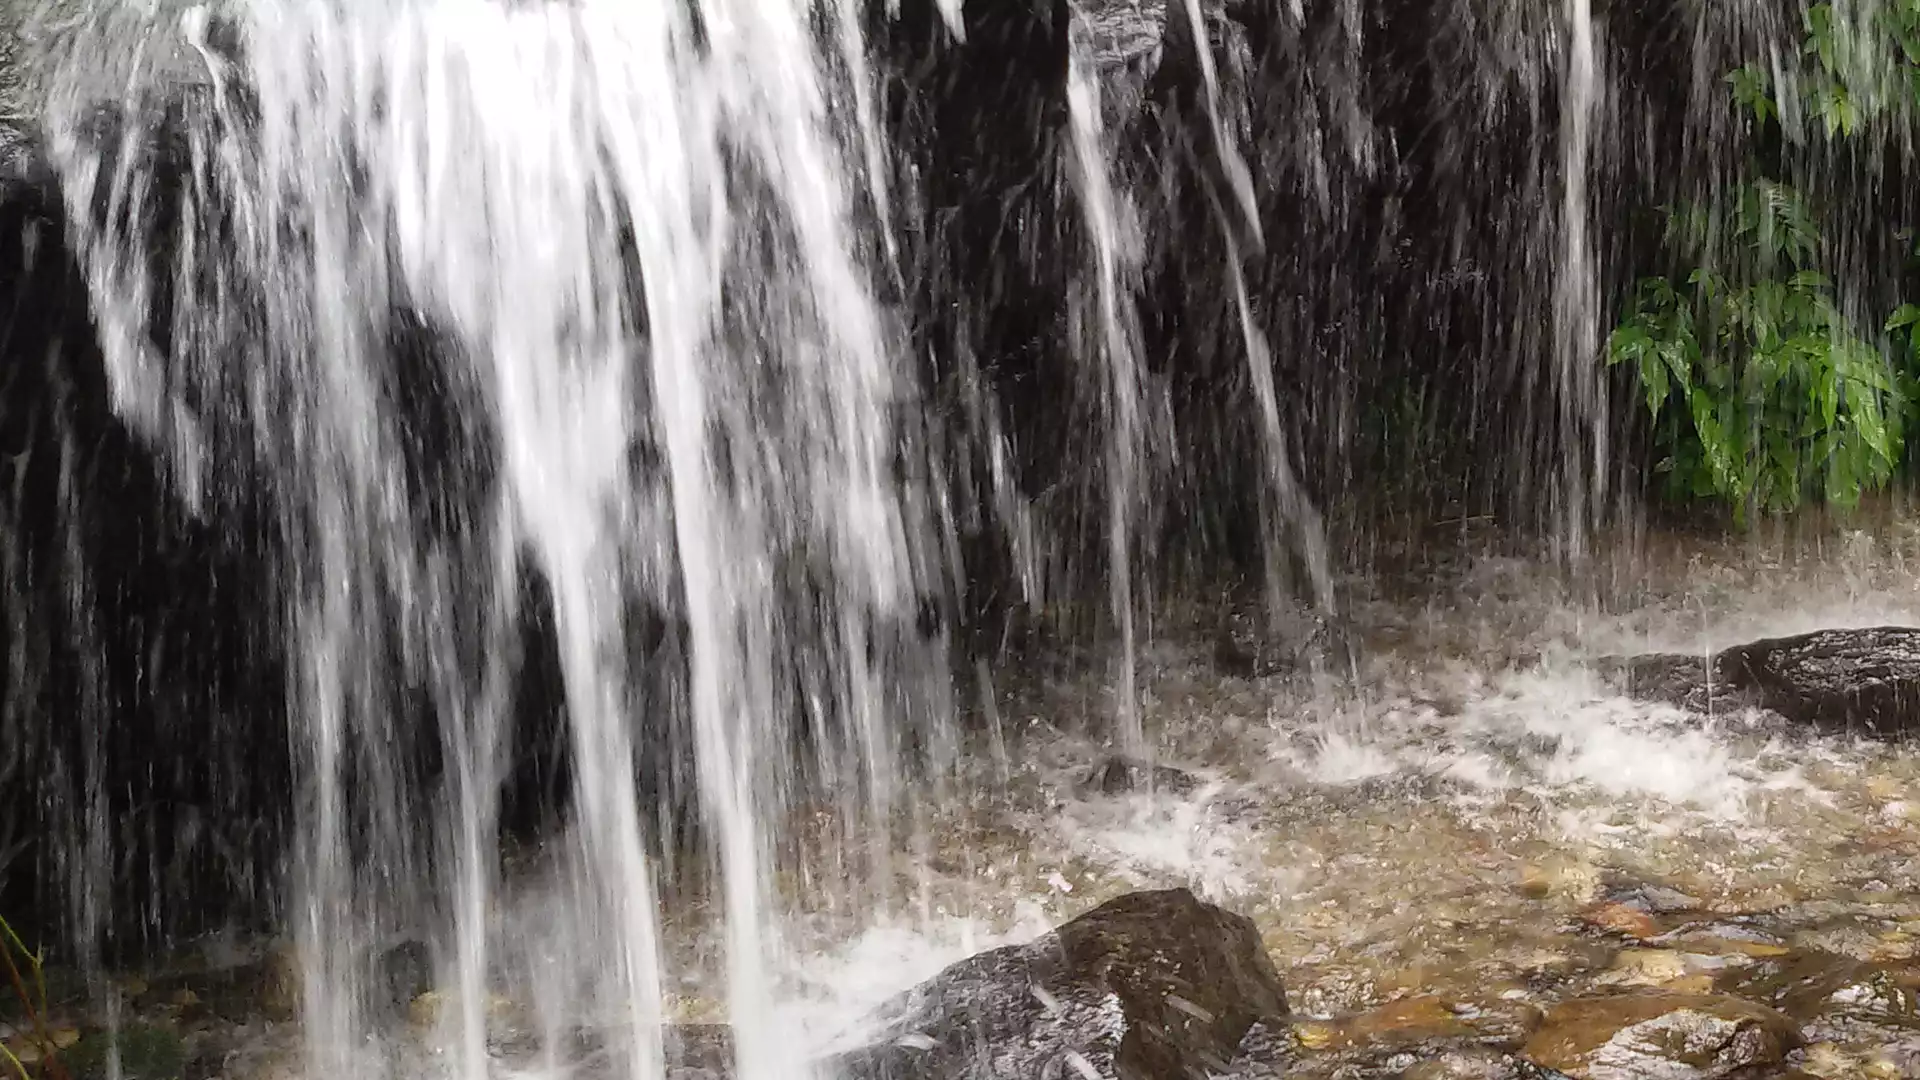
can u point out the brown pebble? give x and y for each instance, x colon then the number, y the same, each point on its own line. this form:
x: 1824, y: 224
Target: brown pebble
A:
x: 1616, y: 918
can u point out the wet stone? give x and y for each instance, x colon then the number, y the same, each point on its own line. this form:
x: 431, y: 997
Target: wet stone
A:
x: 34, y: 1046
x: 690, y: 1052
x: 1694, y: 972
x: 1685, y: 682
x: 281, y: 977
x: 1118, y: 775
x: 1479, y: 1065
x: 1876, y: 994
x: 1727, y: 938
x: 1149, y: 986
x: 1425, y: 1022
x: 1246, y: 646
x: 406, y: 973
x: 1270, y: 1054
x: 1669, y: 1035
x: 1560, y: 877
x: 699, y: 1052
x: 1624, y: 920
x: 211, y: 1056
x: 1464, y: 1064
x: 235, y: 994
x: 1654, y: 899
x: 1802, y: 983
x: 1864, y: 681
x: 146, y: 1051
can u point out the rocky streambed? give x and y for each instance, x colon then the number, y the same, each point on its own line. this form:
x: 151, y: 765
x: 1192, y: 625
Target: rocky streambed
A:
x: 1161, y: 984
x: 1516, y: 838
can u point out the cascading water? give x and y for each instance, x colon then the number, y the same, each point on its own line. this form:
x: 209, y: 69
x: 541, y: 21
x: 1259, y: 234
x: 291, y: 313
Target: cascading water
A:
x: 1113, y: 347
x: 708, y: 343
x: 1581, y: 415
x: 1288, y: 510
x: 629, y: 236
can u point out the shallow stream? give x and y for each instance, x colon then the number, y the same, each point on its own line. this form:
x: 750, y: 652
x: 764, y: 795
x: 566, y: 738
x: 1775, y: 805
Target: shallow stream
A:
x: 1476, y: 829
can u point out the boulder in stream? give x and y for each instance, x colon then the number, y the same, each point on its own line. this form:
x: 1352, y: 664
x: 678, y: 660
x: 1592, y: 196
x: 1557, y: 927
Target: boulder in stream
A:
x: 1864, y: 681
x: 1149, y: 986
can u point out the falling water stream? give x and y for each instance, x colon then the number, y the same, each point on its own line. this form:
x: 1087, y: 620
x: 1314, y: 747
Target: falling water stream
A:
x: 1580, y: 487
x: 1287, y: 506
x: 1115, y: 347
x: 715, y: 446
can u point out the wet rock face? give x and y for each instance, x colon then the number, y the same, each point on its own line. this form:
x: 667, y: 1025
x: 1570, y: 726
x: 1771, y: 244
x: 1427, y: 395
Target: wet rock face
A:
x: 1150, y: 986
x: 138, y: 652
x: 1864, y: 681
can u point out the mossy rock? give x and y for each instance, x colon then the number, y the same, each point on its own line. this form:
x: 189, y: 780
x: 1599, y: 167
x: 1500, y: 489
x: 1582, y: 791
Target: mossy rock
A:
x: 147, y: 1052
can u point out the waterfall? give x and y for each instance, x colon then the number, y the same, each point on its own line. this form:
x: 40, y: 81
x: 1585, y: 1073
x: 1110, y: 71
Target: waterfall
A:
x: 1112, y: 350
x: 1287, y: 509
x: 1581, y: 408
x: 631, y: 240
x: 752, y: 354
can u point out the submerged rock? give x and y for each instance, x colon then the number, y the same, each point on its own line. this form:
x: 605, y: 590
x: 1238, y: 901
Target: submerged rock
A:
x: 1475, y: 1063
x: 1864, y: 681
x: 1150, y: 986
x: 405, y: 973
x: 139, y: 1051
x: 699, y: 1052
x: 1246, y: 646
x: 1673, y: 1036
x: 1269, y: 1055
x: 1120, y: 775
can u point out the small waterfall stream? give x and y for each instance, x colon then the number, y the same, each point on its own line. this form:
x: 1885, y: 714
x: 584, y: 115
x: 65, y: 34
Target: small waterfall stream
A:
x: 1114, y: 348
x: 1580, y: 488
x: 635, y: 235
x: 800, y: 378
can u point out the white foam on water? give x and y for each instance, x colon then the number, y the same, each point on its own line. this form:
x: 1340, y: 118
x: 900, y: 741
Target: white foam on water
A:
x: 1148, y: 840
x: 1344, y: 753
x: 840, y: 990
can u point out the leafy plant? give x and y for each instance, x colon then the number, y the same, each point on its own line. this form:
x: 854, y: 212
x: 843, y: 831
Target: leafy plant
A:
x: 30, y: 988
x: 1763, y: 390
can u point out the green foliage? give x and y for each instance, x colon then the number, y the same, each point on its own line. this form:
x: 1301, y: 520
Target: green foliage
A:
x: 1763, y: 390
x: 30, y: 993
x: 1860, y: 62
